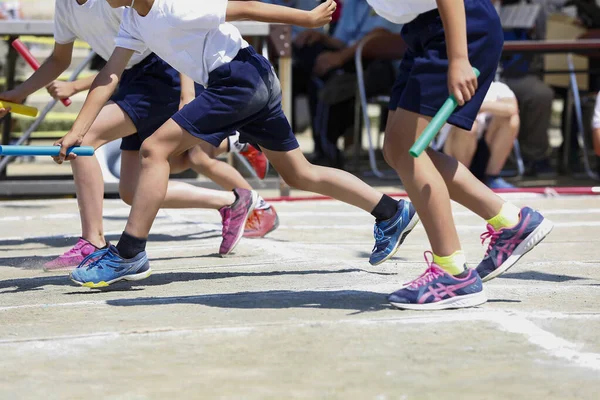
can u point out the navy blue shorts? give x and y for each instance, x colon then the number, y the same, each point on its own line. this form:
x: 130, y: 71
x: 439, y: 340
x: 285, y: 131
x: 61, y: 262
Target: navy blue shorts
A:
x: 422, y: 85
x: 242, y: 95
x: 149, y: 93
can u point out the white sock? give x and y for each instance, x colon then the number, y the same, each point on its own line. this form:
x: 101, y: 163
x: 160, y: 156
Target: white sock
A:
x: 234, y: 143
x: 262, y: 204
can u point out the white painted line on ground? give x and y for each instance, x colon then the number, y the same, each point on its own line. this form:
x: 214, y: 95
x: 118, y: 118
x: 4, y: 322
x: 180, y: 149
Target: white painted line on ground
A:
x: 187, y: 213
x: 553, y: 344
x: 511, y: 322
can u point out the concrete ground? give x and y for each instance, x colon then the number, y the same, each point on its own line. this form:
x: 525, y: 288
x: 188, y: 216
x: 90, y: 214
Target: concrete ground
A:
x: 300, y: 314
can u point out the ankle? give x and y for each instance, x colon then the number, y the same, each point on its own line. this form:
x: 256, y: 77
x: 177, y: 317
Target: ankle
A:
x: 98, y: 243
x: 454, y: 264
x: 130, y: 246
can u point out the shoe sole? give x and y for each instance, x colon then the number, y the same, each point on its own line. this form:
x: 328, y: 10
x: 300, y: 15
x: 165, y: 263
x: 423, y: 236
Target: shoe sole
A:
x: 101, y: 284
x: 411, y: 225
x: 466, y: 301
x: 523, y: 248
x: 241, y: 232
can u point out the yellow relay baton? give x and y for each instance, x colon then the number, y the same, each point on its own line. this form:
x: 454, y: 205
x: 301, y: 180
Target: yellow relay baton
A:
x: 19, y: 108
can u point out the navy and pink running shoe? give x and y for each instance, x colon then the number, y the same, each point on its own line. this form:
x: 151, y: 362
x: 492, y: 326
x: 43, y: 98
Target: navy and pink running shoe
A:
x: 508, y: 245
x: 436, y: 289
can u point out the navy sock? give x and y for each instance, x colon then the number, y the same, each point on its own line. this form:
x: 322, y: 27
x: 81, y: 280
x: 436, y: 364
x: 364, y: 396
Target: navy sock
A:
x: 385, y: 209
x: 130, y: 246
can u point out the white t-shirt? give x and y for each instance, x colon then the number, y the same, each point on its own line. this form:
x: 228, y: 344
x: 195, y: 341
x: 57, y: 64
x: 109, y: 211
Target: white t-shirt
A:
x: 596, y: 120
x: 94, y: 22
x: 497, y: 91
x: 191, y: 35
x: 402, y: 11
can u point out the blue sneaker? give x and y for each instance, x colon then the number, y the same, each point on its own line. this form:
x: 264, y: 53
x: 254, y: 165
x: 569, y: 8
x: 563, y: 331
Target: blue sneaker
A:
x: 390, y: 234
x: 438, y: 290
x: 508, y: 245
x: 106, y: 266
x: 498, y: 183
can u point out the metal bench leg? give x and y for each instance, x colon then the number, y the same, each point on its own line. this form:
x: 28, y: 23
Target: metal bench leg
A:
x: 579, y: 116
x: 519, y: 158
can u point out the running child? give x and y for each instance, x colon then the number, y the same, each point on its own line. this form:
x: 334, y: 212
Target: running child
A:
x: 150, y: 91
x: 242, y: 93
x: 445, y: 39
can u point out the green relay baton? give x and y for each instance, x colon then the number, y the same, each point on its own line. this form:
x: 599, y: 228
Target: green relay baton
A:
x: 436, y: 124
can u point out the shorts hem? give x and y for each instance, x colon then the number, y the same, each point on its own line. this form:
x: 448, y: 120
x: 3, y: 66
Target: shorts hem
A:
x: 214, y: 139
x: 425, y: 110
x: 288, y: 145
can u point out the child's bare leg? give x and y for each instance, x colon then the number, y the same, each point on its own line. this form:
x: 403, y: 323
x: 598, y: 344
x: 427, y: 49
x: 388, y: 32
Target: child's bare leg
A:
x: 217, y: 171
x: 462, y: 144
x: 179, y: 194
x: 500, y: 137
x: 464, y: 188
x: 153, y: 181
x: 112, y: 123
x: 341, y: 185
x: 422, y: 180
x: 596, y: 141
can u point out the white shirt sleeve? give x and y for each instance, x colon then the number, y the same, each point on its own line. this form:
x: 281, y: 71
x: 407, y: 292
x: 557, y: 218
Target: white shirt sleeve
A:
x: 62, y: 33
x: 596, y: 120
x: 127, y: 37
x: 198, y: 15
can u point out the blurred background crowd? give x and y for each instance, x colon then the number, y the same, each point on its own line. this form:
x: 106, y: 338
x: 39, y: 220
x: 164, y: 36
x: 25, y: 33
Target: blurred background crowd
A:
x: 523, y: 120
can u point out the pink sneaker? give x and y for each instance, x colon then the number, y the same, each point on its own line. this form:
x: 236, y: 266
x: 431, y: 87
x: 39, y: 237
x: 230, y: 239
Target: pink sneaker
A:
x: 235, y: 217
x: 72, y: 257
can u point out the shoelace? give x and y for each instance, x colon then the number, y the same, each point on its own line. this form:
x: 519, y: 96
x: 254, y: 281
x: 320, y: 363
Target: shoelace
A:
x: 378, y: 234
x: 491, y: 234
x: 98, y: 254
x: 430, y: 274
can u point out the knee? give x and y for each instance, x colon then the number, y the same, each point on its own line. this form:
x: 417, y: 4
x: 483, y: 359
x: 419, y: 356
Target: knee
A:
x: 389, y: 152
x: 180, y: 163
x: 514, y: 122
x: 150, y: 152
x: 126, y: 192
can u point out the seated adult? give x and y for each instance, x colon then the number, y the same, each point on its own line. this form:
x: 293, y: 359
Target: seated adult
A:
x: 534, y: 96
x: 318, y: 57
x: 485, y: 149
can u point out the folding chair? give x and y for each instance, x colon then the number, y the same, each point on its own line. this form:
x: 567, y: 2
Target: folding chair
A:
x: 362, y: 103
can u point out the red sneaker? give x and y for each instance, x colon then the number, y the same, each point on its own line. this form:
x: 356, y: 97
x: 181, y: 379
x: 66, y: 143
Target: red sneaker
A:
x: 261, y: 222
x: 258, y: 161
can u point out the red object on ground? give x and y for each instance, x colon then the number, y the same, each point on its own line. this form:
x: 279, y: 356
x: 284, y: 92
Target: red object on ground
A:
x: 33, y: 63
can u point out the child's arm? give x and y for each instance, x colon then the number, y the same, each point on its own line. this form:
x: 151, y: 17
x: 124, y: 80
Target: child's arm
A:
x: 462, y: 81
x: 63, y: 90
x: 103, y: 87
x: 263, y: 12
x: 188, y: 90
x: 56, y: 64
